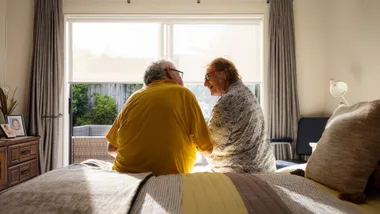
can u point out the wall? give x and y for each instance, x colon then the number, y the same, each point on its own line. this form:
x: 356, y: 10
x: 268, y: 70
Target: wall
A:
x: 310, y: 36
x: 336, y: 39
x: 353, y: 49
x: 16, y: 36
x: 2, y: 43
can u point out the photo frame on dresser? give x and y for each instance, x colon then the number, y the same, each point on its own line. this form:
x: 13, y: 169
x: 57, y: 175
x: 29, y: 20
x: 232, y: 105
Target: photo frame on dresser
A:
x: 5, y: 128
x: 17, y: 125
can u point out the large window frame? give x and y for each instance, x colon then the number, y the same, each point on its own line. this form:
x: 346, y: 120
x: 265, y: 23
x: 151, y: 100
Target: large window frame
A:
x: 165, y: 49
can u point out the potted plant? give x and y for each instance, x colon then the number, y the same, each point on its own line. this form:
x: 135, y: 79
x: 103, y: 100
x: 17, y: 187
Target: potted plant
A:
x: 7, y: 104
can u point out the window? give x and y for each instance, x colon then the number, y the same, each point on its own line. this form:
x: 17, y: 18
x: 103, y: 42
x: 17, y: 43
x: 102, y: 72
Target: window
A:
x: 107, y: 56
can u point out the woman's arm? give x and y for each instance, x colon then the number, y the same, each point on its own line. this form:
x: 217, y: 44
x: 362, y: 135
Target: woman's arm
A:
x: 208, y: 152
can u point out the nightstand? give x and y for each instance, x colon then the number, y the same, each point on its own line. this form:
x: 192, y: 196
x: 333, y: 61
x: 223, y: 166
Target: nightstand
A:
x: 18, y: 160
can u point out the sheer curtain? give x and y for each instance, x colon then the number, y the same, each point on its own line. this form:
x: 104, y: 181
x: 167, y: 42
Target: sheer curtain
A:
x: 46, y: 73
x: 283, y: 97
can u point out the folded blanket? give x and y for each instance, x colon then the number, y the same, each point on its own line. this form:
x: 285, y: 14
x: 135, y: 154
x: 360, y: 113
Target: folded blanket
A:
x: 302, y: 196
x: 235, y: 193
x: 261, y: 193
x: 161, y: 194
x: 257, y: 195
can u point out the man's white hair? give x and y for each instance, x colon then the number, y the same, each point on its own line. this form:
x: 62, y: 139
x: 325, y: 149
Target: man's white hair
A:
x: 156, y: 70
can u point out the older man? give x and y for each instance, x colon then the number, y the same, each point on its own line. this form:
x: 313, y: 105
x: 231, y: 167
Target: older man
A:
x: 161, y: 126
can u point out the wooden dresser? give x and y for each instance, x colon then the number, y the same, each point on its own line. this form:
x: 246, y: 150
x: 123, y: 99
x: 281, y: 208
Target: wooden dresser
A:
x: 18, y: 160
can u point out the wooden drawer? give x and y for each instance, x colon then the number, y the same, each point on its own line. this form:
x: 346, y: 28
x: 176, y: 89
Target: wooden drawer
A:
x: 22, y: 152
x: 3, y: 171
x: 22, y: 172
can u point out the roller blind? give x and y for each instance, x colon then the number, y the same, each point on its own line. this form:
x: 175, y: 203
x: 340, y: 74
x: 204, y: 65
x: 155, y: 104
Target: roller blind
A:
x: 112, y: 52
x: 196, y: 45
x: 104, y: 52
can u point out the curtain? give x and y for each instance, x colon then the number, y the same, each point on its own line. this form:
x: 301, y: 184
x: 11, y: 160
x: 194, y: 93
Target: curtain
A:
x: 283, y: 98
x: 46, y: 76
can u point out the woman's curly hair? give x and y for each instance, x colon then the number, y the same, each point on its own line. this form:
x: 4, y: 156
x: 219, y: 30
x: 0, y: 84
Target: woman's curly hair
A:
x: 222, y: 64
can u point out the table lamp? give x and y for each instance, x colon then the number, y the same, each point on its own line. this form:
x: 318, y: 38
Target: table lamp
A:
x: 338, y: 89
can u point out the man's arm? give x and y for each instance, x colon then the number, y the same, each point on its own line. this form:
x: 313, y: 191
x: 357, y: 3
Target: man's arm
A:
x: 199, y: 131
x: 112, y: 150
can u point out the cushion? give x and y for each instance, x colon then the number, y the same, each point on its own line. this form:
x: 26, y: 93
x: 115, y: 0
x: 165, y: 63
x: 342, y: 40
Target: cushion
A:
x: 349, y: 148
x: 373, y: 185
x: 375, y: 181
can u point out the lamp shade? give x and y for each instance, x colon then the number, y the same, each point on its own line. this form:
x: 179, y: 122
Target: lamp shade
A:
x: 338, y: 88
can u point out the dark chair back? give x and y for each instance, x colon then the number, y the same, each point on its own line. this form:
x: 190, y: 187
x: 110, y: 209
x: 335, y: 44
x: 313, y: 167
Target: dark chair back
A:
x: 310, y: 129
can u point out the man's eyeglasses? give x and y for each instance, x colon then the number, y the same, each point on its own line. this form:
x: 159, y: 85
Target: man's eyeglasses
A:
x: 180, y: 72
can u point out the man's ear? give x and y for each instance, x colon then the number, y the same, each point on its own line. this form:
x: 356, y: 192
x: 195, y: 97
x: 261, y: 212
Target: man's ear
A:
x: 169, y: 74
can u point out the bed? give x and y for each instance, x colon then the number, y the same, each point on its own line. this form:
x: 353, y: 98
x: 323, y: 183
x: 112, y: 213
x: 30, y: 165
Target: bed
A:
x: 92, y: 187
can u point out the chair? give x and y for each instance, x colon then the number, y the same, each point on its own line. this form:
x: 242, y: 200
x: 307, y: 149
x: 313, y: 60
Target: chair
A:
x: 310, y: 129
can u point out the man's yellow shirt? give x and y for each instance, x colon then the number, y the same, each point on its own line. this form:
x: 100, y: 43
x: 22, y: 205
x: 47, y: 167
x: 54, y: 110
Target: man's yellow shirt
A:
x: 159, y: 130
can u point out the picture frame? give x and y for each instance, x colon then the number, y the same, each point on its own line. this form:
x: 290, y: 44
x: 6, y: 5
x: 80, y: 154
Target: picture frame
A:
x: 17, y: 124
x: 5, y: 128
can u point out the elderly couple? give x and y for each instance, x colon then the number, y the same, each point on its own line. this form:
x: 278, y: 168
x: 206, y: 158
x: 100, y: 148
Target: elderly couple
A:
x: 161, y: 126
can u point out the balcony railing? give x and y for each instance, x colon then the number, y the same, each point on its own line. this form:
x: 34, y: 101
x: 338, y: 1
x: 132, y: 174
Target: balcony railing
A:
x: 89, y: 142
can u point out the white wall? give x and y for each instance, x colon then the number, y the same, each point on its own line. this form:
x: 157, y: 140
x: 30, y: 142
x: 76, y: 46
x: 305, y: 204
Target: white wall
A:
x: 310, y: 37
x: 336, y: 39
x: 2, y: 42
x: 164, y: 6
x: 353, y: 49
x: 16, y: 36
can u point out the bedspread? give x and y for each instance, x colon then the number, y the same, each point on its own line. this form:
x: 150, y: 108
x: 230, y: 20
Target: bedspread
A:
x: 75, y: 189
x: 87, y: 189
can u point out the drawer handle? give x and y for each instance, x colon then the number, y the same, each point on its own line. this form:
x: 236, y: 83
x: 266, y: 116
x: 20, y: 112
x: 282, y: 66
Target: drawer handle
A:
x: 24, y: 152
x: 23, y: 172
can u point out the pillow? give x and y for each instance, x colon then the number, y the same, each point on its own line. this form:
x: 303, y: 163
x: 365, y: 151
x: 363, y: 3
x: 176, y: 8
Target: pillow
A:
x: 376, y: 178
x: 349, y: 148
x: 374, y: 181
x: 373, y: 185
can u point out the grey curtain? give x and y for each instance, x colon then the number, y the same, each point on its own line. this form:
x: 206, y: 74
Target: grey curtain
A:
x: 47, y: 69
x: 283, y: 97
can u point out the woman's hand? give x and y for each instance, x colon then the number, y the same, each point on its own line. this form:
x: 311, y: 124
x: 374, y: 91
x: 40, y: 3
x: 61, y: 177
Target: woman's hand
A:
x: 112, y: 150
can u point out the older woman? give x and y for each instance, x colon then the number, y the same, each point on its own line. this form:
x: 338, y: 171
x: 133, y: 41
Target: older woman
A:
x: 237, y: 123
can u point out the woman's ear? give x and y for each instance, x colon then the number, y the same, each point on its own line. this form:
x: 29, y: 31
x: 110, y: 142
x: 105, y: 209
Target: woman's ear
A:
x: 223, y: 76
